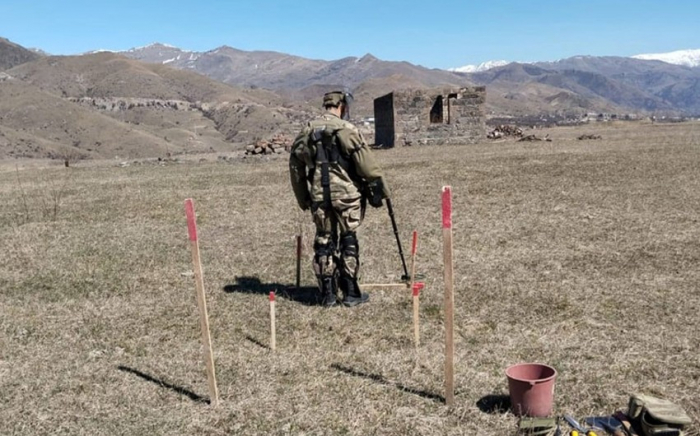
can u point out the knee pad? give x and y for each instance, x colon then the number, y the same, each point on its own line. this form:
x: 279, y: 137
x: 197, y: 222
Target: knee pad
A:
x: 349, y: 245
x: 324, y: 258
x: 323, y: 247
x: 350, y: 254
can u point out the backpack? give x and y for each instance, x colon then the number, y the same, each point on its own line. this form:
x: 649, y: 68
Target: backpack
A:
x: 656, y: 416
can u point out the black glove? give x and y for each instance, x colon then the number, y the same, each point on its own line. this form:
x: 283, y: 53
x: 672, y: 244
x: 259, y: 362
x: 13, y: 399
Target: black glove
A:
x: 376, y: 189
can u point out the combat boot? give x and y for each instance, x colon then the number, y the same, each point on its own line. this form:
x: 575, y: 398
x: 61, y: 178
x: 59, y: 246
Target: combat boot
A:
x: 328, y: 293
x: 352, y: 296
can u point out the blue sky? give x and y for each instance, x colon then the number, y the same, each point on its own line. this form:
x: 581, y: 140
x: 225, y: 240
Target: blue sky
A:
x: 436, y: 34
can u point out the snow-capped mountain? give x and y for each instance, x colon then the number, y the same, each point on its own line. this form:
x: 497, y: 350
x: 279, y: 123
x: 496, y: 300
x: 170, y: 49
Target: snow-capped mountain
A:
x: 159, y: 53
x: 478, y: 68
x: 688, y: 58
x: 146, y: 52
x: 156, y: 46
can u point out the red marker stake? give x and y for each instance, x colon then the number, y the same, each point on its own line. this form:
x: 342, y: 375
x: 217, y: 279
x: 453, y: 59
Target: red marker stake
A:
x: 416, y: 312
x: 449, y: 294
x: 201, y: 302
x: 273, y: 333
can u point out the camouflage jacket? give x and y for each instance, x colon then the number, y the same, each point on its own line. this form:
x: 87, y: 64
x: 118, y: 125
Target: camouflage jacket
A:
x: 303, y: 165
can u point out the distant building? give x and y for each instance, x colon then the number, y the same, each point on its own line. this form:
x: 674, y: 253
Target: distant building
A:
x: 430, y: 117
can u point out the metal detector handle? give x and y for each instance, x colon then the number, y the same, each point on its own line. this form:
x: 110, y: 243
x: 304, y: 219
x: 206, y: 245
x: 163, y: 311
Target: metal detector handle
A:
x: 390, y: 208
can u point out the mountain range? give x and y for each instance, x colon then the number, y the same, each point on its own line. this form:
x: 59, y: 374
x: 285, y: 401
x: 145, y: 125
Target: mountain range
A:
x: 159, y: 99
x: 279, y: 71
x: 686, y: 58
x: 567, y: 87
x: 593, y: 83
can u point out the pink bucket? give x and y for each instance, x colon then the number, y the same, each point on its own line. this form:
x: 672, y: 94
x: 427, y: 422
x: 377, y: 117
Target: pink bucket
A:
x: 531, y: 387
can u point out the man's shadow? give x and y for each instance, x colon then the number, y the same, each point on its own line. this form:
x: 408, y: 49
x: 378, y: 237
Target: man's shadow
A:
x: 306, y: 295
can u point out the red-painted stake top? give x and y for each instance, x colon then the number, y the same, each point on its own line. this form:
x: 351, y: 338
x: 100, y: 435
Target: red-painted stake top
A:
x: 191, y: 221
x: 272, y: 296
x: 414, y: 246
x: 417, y: 288
x: 446, y: 207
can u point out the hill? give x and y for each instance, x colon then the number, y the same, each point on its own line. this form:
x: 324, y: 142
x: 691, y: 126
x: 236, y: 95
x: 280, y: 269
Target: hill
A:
x: 651, y: 84
x: 107, y: 74
x: 523, y: 90
x: 36, y: 123
x: 12, y: 54
x: 596, y: 84
x: 166, y: 110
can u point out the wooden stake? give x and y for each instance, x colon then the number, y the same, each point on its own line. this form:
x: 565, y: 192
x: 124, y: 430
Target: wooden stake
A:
x: 201, y: 302
x: 415, y: 290
x: 384, y: 286
x: 414, y: 250
x: 416, y: 312
x: 449, y: 295
x: 273, y: 333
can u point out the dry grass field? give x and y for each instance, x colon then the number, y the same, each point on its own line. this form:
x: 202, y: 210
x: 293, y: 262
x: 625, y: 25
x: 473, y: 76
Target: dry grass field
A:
x: 581, y: 254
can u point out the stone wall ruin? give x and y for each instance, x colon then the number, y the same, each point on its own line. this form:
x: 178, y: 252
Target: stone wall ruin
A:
x: 430, y: 117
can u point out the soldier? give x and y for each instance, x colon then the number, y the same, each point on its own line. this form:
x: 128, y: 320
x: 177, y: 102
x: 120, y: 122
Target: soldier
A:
x: 334, y: 174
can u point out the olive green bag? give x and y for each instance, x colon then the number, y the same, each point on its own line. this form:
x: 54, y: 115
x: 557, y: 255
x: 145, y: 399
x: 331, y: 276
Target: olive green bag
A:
x: 656, y: 416
x: 537, y: 426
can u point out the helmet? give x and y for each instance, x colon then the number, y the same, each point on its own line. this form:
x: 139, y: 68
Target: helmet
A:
x: 335, y: 98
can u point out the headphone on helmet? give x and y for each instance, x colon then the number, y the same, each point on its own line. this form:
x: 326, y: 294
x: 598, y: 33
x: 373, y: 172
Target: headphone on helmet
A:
x: 335, y: 98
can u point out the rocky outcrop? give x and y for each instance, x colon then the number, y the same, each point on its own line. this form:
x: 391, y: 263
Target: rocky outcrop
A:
x: 278, y: 144
x: 505, y: 130
x: 122, y: 104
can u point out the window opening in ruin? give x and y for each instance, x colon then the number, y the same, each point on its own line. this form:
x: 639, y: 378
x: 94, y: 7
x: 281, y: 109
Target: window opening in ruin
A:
x: 436, y: 115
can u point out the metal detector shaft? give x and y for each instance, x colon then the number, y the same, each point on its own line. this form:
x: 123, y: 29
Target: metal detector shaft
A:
x: 398, y: 240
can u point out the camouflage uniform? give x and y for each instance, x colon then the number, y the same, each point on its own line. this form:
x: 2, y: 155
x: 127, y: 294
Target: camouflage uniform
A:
x: 355, y: 168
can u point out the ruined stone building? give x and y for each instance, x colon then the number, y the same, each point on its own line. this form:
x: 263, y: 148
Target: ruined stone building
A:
x: 430, y: 117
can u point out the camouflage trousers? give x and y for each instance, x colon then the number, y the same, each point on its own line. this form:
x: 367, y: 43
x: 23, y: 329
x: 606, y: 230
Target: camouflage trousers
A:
x: 337, y: 254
